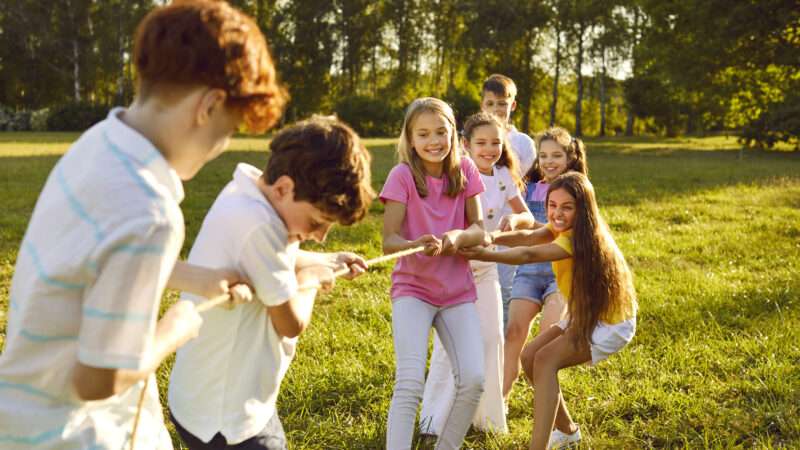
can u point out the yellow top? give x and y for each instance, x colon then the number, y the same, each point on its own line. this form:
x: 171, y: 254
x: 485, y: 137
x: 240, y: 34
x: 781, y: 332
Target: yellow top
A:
x: 563, y: 272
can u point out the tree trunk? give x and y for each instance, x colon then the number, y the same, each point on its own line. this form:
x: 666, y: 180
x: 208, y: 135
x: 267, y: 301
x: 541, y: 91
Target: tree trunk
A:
x: 578, y: 72
x: 603, y: 94
x: 630, y: 119
x: 554, y: 104
x: 76, y: 70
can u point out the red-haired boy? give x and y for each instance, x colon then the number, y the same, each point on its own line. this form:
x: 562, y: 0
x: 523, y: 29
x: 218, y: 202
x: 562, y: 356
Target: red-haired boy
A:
x: 107, y: 229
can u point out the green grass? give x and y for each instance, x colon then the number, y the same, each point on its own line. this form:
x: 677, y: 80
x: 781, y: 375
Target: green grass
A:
x: 712, y: 234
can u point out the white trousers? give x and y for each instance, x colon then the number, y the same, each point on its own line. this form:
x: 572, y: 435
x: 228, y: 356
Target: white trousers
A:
x: 437, y: 400
x: 457, y: 327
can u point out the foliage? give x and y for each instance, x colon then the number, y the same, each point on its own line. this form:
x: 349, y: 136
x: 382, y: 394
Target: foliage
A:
x: 685, y: 67
x: 11, y: 120
x: 369, y: 116
x: 75, y: 116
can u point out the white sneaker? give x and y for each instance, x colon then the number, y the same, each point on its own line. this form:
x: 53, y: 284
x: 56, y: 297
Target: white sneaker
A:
x: 559, y: 439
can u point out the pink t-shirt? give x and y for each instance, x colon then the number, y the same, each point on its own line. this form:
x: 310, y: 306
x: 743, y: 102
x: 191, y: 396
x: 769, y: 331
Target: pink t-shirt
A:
x: 438, y: 280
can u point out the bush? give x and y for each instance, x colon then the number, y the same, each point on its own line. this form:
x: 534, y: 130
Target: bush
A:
x: 39, y: 119
x: 75, y: 116
x: 11, y: 120
x: 780, y: 122
x: 370, y: 116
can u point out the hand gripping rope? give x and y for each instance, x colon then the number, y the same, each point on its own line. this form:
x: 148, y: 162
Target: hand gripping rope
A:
x: 221, y: 299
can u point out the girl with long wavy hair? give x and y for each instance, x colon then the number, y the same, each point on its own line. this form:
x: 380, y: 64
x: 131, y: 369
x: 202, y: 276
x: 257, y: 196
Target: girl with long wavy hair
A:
x: 597, y: 286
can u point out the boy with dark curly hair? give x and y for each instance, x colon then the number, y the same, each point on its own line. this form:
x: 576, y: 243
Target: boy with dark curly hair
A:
x: 225, y: 382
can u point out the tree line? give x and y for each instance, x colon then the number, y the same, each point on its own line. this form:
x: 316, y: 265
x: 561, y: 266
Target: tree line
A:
x: 596, y: 67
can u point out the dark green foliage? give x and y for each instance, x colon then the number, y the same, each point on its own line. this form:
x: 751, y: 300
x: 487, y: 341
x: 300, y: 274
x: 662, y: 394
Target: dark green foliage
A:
x: 370, y: 116
x: 779, y: 123
x: 75, y: 116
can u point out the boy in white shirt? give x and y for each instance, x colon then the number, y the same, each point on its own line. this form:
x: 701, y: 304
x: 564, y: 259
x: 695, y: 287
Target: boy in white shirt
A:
x: 104, y: 237
x: 498, y: 97
x: 225, y: 383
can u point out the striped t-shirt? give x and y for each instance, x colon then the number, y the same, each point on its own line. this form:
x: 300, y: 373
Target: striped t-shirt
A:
x: 100, y: 246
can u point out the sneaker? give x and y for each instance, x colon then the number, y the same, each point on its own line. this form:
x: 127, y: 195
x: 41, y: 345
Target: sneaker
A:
x: 559, y: 439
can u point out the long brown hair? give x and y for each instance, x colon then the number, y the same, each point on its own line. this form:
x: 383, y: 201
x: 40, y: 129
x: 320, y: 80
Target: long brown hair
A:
x: 602, y: 283
x: 573, y: 147
x: 407, y: 155
x: 508, y: 158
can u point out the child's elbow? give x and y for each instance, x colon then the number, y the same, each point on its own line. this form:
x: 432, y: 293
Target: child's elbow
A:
x: 290, y: 328
x: 92, y: 384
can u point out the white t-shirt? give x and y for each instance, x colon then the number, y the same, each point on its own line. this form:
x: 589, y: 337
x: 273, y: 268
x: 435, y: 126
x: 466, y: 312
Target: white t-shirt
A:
x: 97, y: 254
x: 500, y: 188
x: 227, y: 379
x: 524, y: 147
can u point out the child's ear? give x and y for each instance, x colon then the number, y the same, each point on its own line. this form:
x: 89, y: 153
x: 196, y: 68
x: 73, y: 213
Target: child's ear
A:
x: 211, y: 100
x: 513, y: 106
x: 284, y: 186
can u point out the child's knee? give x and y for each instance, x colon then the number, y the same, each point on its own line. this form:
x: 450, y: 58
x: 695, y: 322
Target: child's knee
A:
x: 542, y: 363
x: 471, y: 382
x: 517, y: 331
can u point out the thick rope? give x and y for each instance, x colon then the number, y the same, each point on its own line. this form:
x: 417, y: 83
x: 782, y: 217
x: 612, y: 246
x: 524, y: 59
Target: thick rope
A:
x: 219, y: 300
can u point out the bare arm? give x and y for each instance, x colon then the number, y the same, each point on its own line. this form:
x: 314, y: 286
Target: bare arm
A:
x: 521, y: 219
x: 473, y: 235
x: 519, y: 255
x: 292, y: 317
x: 334, y: 261
x: 180, y: 323
x: 393, y: 216
x: 539, y: 236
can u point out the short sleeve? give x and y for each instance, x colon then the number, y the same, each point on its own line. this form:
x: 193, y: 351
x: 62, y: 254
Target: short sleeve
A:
x: 563, y: 240
x: 512, y: 190
x: 397, y: 184
x: 268, y: 261
x: 474, y: 185
x: 120, y: 306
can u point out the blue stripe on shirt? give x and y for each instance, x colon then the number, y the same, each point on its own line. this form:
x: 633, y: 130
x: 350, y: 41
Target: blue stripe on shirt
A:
x: 28, y: 389
x: 76, y: 205
x: 46, y: 338
x: 34, y: 439
x: 106, y: 315
x: 47, y: 279
x: 129, y: 167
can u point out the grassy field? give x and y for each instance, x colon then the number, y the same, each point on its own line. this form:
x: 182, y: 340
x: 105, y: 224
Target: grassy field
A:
x: 712, y: 234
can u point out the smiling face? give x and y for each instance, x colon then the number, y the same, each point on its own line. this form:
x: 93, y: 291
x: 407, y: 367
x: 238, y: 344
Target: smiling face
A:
x: 431, y: 135
x: 553, y: 160
x: 561, y: 207
x: 485, y: 147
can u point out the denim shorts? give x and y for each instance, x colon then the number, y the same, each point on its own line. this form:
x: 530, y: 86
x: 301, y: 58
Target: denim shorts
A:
x: 533, y: 287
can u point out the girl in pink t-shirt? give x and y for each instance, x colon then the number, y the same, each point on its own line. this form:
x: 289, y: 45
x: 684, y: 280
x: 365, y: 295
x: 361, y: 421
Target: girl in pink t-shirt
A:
x: 431, y: 200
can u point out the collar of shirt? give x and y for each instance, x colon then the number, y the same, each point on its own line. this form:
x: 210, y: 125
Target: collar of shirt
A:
x: 245, y: 178
x: 137, y: 147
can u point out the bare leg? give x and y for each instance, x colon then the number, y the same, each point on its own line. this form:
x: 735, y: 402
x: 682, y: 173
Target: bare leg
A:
x: 548, y: 359
x: 551, y: 311
x: 520, y: 316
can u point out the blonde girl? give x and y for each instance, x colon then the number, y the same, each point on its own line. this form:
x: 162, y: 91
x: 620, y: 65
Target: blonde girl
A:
x: 597, y: 286
x: 534, y: 289
x: 431, y: 200
x: 485, y: 143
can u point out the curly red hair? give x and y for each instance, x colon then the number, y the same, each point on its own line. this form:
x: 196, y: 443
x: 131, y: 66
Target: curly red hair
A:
x: 210, y: 43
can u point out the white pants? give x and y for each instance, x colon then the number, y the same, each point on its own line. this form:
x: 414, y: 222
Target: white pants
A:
x: 457, y: 327
x: 437, y: 400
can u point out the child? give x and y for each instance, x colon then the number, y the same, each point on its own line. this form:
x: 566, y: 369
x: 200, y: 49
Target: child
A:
x: 498, y: 97
x: 534, y: 289
x: 431, y: 200
x: 107, y: 229
x: 225, y: 383
x: 597, y: 286
x: 484, y: 140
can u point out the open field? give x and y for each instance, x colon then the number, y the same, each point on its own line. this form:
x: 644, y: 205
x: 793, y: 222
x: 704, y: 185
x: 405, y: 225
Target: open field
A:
x: 712, y: 234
